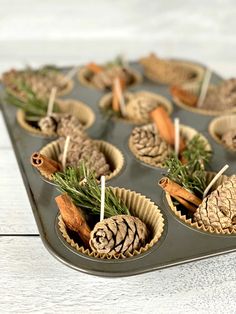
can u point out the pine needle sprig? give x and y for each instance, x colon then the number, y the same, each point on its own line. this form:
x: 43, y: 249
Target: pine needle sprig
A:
x: 30, y: 103
x: 190, y: 174
x: 83, y: 188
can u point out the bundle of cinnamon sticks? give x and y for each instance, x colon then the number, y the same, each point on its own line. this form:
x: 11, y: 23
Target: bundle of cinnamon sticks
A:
x: 184, y: 197
x: 45, y: 165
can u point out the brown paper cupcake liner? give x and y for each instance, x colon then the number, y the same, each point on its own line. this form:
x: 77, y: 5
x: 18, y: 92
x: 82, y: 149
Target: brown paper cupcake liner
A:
x: 139, y: 206
x: 187, y: 132
x: 165, y: 78
x: 106, y: 103
x: 221, y: 125
x: 84, y: 76
x: 71, y: 106
x: 194, y: 89
x: 195, y: 225
x: 113, y: 156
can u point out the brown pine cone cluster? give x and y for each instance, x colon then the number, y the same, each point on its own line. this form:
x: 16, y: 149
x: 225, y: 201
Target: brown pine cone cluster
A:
x: 165, y: 71
x: 61, y: 124
x: 121, y: 234
x: 148, y: 146
x: 83, y: 148
x: 140, y: 106
x: 105, y: 78
x: 38, y: 81
x: 221, y: 97
x: 218, y: 209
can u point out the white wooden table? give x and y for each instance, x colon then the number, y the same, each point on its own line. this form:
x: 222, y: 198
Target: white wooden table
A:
x: 36, y: 32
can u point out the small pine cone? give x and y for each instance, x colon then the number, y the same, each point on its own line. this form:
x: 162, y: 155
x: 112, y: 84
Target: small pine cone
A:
x: 218, y: 209
x: 229, y: 138
x: 48, y: 125
x: 139, y: 108
x: 121, y: 234
x: 148, y: 143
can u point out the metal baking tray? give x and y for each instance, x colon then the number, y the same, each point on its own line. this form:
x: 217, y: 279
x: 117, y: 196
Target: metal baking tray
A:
x: 178, y: 244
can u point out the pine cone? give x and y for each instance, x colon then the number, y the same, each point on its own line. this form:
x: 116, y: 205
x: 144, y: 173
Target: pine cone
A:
x: 139, y: 108
x: 118, y: 234
x: 83, y: 148
x: 229, y: 138
x: 69, y: 125
x: 218, y: 209
x: 104, y: 79
x: 147, y: 143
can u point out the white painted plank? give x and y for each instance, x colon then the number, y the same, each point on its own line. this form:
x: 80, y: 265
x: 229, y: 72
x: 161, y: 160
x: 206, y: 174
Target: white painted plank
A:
x: 32, y: 281
x: 15, y: 213
x: 4, y: 137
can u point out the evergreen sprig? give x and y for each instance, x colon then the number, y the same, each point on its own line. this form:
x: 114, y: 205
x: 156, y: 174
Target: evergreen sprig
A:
x: 30, y: 103
x: 190, y: 174
x: 83, y: 188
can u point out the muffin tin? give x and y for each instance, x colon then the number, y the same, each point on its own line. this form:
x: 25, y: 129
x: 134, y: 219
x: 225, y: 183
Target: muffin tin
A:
x: 179, y: 243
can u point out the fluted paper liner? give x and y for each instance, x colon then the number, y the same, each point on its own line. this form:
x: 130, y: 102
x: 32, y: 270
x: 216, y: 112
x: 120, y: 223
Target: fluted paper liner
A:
x: 189, y: 221
x: 113, y: 155
x: 106, y: 103
x: 140, y: 207
x: 195, y: 90
x: 164, y: 78
x: 221, y: 125
x: 71, y: 106
x: 187, y: 132
x: 84, y: 77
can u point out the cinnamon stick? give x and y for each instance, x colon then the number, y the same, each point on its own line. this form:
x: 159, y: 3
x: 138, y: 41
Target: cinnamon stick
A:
x: 44, y: 164
x: 73, y: 217
x: 93, y: 67
x: 175, y: 190
x: 115, y: 93
x: 185, y: 96
x: 166, y: 127
x: 186, y: 204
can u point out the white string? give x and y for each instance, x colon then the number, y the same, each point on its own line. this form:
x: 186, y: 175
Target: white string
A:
x: 66, y: 146
x: 120, y: 97
x: 214, y: 180
x: 177, y: 136
x: 204, y: 88
x: 102, y: 197
x: 51, y: 101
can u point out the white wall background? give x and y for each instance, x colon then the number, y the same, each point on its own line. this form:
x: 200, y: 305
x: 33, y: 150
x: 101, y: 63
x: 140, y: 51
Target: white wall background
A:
x: 75, y: 31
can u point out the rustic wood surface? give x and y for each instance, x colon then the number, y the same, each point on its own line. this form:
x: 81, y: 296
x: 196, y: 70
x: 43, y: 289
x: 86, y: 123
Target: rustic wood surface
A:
x: 37, y: 32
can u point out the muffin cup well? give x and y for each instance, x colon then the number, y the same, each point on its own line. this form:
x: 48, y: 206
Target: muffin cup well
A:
x: 84, y: 76
x: 164, y: 78
x: 106, y: 103
x: 187, y: 132
x: 70, y: 106
x: 189, y: 221
x: 195, y: 89
x: 140, y: 207
x: 113, y: 156
x: 221, y: 125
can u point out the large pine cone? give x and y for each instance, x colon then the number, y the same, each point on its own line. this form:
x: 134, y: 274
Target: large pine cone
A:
x: 139, y: 107
x: 83, y: 148
x: 218, y: 209
x: 147, y: 144
x: 104, y: 79
x: 118, y: 234
x: 221, y: 97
